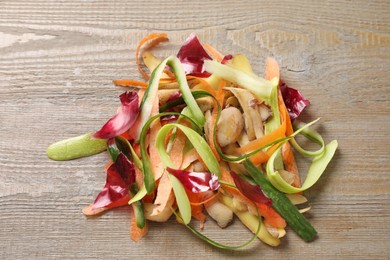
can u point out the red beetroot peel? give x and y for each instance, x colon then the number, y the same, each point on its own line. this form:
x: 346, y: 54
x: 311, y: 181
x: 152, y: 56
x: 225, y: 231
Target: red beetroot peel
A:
x: 123, y: 120
x: 192, y: 56
x: 120, y: 177
x: 251, y: 191
x: 293, y: 99
x: 196, y: 181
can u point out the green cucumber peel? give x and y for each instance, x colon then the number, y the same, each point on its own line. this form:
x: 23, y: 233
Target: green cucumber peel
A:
x: 113, y: 149
x: 282, y: 204
x: 124, y: 145
x: 138, y: 208
x: 120, y: 144
x: 76, y: 147
x: 151, y: 93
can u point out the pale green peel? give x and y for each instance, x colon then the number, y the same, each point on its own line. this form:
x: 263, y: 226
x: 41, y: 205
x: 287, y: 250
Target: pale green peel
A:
x: 316, y: 169
x: 139, y: 195
x: 259, y: 86
x: 178, y: 70
x: 312, y: 135
x: 182, y: 200
x: 76, y: 147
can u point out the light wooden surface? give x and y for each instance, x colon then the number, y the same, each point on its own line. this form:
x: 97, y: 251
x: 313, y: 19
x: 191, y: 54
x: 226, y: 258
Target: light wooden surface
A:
x: 57, y: 60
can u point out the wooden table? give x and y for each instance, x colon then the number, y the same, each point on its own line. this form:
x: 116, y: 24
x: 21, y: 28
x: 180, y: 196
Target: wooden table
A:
x: 57, y: 60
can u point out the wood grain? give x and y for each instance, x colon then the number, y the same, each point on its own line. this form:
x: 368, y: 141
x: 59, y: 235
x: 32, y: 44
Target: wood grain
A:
x: 57, y: 60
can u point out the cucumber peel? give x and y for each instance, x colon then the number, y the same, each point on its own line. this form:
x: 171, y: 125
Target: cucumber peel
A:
x: 76, y: 147
x: 282, y: 204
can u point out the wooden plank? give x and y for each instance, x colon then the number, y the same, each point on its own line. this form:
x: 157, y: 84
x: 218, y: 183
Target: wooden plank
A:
x: 57, y: 60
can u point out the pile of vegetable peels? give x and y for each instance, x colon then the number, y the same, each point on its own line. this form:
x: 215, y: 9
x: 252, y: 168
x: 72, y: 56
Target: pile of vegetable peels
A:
x: 204, y: 136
